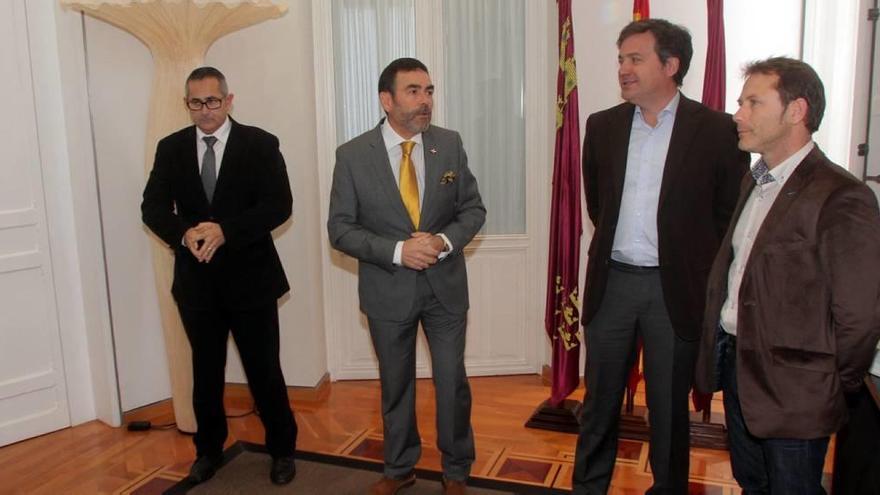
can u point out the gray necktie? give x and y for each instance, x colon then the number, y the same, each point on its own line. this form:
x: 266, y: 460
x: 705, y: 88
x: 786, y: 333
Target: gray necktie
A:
x: 761, y: 173
x: 209, y: 168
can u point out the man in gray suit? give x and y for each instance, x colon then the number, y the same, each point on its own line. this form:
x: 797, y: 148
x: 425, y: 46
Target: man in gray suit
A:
x: 405, y: 204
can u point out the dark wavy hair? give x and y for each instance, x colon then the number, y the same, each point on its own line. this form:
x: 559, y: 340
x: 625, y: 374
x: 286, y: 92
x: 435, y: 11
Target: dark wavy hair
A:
x: 672, y: 40
x: 389, y: 74
x: 796, y: 80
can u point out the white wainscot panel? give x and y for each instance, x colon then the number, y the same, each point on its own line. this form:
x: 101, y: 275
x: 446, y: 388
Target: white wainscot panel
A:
x: 27, y: 341
x: 499, y: 341
x: 17, y: 239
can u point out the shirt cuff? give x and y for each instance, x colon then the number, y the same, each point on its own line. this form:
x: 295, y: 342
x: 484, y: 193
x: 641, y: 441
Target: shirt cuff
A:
x: 398, y: 253
x: 447, y: 250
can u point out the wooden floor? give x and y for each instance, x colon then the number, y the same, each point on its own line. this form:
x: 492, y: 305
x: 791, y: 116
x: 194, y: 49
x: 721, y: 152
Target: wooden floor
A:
x: 343, y: 419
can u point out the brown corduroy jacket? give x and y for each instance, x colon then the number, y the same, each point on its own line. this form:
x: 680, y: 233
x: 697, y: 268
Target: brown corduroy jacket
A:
x: 807, y: 321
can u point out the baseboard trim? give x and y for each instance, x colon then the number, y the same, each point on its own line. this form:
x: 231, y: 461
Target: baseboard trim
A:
x: 317, y: 392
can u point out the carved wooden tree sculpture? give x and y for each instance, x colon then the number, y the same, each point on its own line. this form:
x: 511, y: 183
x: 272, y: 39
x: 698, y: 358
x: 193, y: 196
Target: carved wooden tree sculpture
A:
x: 178, y: 34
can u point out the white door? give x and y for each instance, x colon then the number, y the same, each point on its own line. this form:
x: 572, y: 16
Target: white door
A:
x: 33, y: 399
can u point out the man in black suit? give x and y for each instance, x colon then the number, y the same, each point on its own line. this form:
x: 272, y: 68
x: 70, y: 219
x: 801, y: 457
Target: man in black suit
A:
x: 661, y: 177
x: 216, y: 191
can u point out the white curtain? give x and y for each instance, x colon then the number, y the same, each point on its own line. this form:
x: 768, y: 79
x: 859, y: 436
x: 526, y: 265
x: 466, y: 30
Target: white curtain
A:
x: 367, y: 35
x: 485, y: 43
x: 484, y: 56
x: 830, y: 44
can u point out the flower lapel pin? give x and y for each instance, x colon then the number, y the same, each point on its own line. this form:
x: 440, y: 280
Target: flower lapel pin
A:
x: 448, y: 177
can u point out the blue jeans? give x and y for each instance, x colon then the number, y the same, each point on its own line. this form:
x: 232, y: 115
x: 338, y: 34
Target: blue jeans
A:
x: 778, y: 466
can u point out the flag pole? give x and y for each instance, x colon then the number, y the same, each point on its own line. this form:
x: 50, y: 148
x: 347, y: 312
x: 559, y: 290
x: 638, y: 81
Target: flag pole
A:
x: 561, y: 316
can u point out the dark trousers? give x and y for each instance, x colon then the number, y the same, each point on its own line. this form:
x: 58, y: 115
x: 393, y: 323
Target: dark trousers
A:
x: 633, y: 306
x: 857, y: 448
x: 781, y: 466
x: 255, y: 332
x: 395, y: 345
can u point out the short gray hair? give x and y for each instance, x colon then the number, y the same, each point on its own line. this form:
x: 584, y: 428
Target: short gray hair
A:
x: 205, y: 73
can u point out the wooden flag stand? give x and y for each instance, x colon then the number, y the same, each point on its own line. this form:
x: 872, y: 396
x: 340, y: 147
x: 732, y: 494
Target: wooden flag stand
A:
x: 704, y: 433
x: 633, y: 421
x: 565, y: 418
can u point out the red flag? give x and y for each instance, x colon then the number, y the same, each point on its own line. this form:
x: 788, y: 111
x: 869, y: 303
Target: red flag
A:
x: 561, y: 317
x: 713, y: 97
x: 713, y: 82
x: 641, y: 10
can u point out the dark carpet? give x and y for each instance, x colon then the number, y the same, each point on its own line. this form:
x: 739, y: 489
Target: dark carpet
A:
x: 246, y: 471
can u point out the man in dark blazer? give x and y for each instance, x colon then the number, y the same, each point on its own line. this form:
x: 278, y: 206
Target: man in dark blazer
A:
x: 405, y: 204
x: 791, y: 317
x: 661, y: 174
x: 216, y: 191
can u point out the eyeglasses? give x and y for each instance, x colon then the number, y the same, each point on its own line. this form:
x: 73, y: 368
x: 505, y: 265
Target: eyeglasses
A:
x: 210, y: 102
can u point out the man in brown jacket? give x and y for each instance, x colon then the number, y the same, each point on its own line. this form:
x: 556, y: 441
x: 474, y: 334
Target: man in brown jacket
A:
x: 792, y: 304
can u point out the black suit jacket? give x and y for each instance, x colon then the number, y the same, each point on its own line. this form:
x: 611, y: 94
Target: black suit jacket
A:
x: 697, y: 197
x: 251, y: 198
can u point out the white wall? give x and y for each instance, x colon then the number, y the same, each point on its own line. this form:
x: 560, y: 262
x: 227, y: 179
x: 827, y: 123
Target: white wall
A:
x: 119, y: 72
x: 270, y: 69
x: 267, y: 67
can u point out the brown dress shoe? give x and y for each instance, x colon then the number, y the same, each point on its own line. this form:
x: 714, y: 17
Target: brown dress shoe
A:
x: 454, y: 487
x: 391, y: 486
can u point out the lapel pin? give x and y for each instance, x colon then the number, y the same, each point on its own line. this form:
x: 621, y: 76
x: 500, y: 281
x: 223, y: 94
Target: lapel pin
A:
x: 448, y: 177
x: 433, y: 151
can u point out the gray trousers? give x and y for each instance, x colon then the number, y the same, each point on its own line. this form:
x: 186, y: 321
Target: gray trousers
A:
x: 633, y: 306
x: 395, y: 345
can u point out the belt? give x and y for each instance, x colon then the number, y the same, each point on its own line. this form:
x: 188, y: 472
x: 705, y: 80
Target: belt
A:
x: 626, y: 267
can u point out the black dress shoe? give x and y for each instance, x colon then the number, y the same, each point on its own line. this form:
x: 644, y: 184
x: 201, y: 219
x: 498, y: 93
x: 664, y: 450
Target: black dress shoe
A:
x: 204, y: 468
x: 283, y: 470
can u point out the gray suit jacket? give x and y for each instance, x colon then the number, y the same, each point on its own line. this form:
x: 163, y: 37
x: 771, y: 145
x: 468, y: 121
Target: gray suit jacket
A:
x: 367, y: 218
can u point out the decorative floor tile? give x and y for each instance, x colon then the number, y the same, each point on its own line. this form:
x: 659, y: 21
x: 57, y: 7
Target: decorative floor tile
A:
x: 629, y: 450
x: 524, y: 470
x: 697, y: 488
x: 155, y: 486
x: 369, y: 448
x: 152, y: 483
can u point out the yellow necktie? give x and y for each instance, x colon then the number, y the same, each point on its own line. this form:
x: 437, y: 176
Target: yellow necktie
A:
x: 409, y: 185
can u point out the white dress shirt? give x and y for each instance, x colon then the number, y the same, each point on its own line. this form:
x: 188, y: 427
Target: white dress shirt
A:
x: 635, y: 239
x: 875, y: 366
x: 222, y: 135
x: 395, y: 153
x: 750, y: 220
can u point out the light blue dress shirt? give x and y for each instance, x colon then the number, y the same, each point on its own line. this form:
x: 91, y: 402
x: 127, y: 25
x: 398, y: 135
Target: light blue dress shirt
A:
x: 635, y: 240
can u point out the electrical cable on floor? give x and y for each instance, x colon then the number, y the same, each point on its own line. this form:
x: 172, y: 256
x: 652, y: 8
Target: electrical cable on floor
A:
x: 147, y: 425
